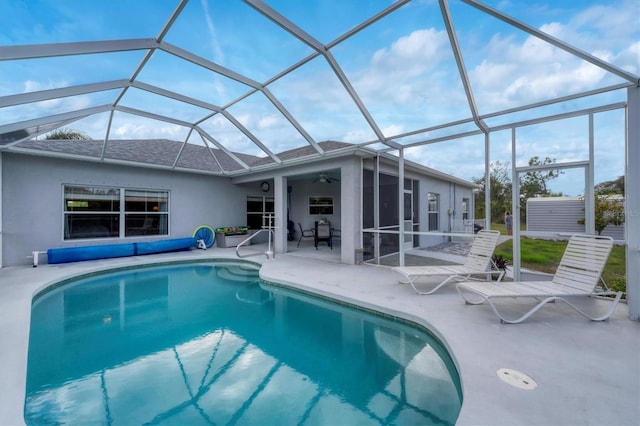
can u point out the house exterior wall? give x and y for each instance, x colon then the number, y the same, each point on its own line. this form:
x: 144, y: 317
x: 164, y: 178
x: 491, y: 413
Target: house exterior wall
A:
x: 561, y: 214
x: 32, y: 201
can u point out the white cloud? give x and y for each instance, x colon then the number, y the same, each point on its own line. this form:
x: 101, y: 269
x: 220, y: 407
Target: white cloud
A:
x: 515, y: 72
x: 130, y: 130
x: 393, y: 129
x: 354, y: 136
x: 602, y: 26
x: 268, y: 122
x: 425, y: 44
x: 395, y: 70
x: 244, y: 119
x: 35, y: 85
x: 527, y: 72
x: 631, y: 57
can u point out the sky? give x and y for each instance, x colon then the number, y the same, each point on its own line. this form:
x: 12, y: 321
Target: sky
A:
x: 402, y: 69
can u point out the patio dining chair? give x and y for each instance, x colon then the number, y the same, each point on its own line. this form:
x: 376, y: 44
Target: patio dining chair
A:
x: 323, y: 234
x: 304, y: 233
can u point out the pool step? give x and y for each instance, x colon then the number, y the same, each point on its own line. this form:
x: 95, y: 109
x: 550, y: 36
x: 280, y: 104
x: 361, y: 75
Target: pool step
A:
x: 238, y: 273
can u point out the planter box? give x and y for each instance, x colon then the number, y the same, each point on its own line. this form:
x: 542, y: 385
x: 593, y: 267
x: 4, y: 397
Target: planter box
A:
x: 226, y: 241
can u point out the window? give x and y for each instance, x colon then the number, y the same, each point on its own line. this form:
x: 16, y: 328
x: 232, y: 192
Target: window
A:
x: 146, y: 212
x: 97, y: 212
x: 257, y: 210
x: 433, y: 211
x: 320, y: 205
x: 91, y: 212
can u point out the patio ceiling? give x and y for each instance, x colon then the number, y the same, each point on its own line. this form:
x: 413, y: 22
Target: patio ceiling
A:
x: 341, y: 76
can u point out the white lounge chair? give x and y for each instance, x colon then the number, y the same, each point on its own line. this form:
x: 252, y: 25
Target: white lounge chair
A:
x: 478, y: 262
x: 578, y: 274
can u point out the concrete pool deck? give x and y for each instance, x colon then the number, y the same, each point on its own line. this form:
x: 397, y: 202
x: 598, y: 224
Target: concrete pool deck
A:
x: 586, y: 372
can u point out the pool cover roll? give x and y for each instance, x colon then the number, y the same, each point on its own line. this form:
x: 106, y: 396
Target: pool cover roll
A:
x: 163, y: 246
x: 75, y: 254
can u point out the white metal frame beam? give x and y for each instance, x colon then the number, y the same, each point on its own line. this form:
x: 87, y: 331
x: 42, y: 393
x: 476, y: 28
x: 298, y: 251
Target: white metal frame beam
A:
x: 515, y: 196
x: 44, y: 95
x: 462, y: 69
x: 72, y: 115
x: 310, y: 41
x: 35, y: 51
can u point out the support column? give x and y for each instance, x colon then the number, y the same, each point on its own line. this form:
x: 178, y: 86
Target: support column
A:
x: 632, y: 202
x: 280, y: 209
x: 1, y: 212
x: 376, y: 208
x: 515, y: 208
x: 401, y: 205
x: 589, y: 182
x: 350, y: 210
x: 487, y: 182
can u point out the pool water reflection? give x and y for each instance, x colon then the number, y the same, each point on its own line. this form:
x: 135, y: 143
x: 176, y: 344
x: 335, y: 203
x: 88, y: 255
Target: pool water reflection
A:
x: 209, y: 343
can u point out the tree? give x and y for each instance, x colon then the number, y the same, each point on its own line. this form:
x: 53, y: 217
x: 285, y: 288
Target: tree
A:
x: 609, y: 209
x: 500, y: 187
x: 67, y: 134
x: 535, y: 183
x: 532, y: 184
x: 615, y: 186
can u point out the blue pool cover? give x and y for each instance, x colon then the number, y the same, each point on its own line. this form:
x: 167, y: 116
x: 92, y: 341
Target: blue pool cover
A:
x: 75, y: 254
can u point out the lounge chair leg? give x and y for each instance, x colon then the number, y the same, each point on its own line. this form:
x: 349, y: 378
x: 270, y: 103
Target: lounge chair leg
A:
x: 543, y: 302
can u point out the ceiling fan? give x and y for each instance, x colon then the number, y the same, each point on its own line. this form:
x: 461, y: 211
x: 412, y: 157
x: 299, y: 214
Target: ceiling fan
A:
x: 325, y: 178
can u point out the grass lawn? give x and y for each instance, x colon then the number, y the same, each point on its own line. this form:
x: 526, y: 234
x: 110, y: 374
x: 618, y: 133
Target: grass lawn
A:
x: 544, y: 256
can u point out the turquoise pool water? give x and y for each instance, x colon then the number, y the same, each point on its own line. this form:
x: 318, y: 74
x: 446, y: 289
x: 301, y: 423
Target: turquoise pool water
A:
x: 209, y: 343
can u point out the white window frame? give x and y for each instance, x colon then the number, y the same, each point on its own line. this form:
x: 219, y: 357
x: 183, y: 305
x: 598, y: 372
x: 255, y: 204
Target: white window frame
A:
x: 465, y: 208
x: 265, y: 211
x: 317, y: 205
x: 433, y: 215
x: 161, y: 210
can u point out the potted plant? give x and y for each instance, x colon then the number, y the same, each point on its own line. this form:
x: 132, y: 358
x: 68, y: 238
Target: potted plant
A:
x: 231, y: 236
x: 499, y: 262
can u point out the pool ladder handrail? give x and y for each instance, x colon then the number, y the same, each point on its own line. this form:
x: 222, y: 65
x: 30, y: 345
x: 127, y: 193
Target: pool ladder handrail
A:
x: 269, y: 253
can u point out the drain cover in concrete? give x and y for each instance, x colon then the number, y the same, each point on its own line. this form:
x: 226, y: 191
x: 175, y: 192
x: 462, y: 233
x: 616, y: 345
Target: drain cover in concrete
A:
x: 516, y: 378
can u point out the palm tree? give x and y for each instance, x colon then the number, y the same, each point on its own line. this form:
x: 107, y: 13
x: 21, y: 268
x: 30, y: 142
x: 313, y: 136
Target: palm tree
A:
x: 67, y: 134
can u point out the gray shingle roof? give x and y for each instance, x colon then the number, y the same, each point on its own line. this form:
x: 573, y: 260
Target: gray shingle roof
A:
x: 164, y: 152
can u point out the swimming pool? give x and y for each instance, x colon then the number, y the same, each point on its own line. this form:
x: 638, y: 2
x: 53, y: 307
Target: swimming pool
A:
x: 208, y: 342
